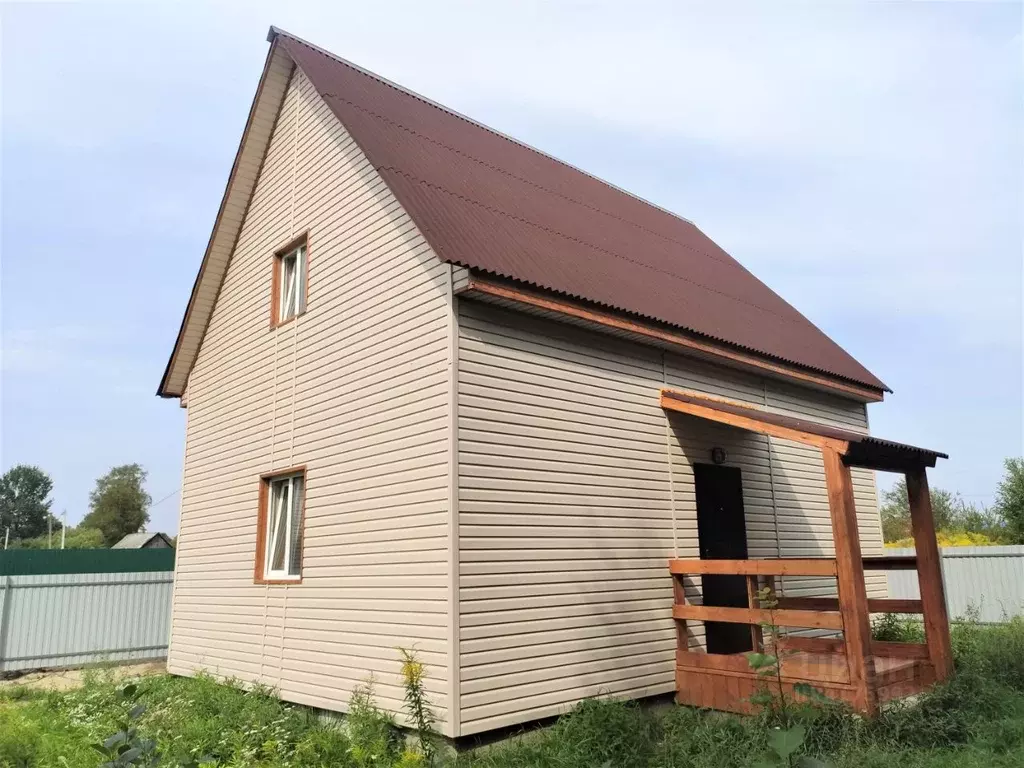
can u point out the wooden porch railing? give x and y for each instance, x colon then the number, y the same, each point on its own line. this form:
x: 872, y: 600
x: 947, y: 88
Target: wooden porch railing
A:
x: 830, y: 660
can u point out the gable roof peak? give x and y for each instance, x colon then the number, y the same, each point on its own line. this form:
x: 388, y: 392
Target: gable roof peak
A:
x: 497, y: 206
x: 276, y: 32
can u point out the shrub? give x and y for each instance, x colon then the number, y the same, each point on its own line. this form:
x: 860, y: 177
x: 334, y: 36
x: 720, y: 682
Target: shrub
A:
x: 323, y: 746
x: 414, y: 673
x: 891, y: 627
x: 991, y: 651
x: 376, y: 741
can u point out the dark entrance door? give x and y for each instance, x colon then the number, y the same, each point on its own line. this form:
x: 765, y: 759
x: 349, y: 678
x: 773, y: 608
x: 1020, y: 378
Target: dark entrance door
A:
x: 722, y: 533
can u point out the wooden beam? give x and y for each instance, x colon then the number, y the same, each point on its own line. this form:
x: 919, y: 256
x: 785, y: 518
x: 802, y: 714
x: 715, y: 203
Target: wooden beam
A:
x: 752, y: 425
x: 929, y: 575
x: 679, y: 598
x: 479, y: 285
x: 721, y: 662
x: 754, y: 601
x: 853, y: 596
x: 792, y: 567
x: 900, y: 650
x: 798, y: 668
x: 812, y: 644
x: 875, y: 604
x: 809, y: 619
x: 890, y: 563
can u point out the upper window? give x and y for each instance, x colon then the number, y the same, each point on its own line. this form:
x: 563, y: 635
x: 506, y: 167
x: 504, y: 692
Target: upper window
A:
x: 290, y: 279
x: 282, y: 531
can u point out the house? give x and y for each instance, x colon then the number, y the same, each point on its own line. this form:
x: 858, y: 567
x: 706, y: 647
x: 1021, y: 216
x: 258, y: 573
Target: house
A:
x: 144, y: 540
x: 446, y: 392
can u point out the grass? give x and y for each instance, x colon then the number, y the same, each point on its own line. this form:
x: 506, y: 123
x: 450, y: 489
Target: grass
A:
x: 975, y: 720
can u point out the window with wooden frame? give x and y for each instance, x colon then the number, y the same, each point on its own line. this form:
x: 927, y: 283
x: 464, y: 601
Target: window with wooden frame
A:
x: 279, y: 538
x: 291, y: 266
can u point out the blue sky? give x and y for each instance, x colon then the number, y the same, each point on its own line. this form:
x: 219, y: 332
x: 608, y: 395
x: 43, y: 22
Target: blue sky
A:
x: 862, y: 159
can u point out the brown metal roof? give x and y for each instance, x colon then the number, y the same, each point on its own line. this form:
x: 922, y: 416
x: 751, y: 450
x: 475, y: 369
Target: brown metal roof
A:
x: 490, y: 203
x: 863, y: 450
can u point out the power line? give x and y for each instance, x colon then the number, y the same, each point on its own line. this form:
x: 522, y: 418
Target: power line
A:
x: 165, y: 498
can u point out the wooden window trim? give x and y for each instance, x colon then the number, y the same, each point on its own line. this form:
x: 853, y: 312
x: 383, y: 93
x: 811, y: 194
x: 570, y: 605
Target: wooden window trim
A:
x: 261, y: 523
x: 275, y: 279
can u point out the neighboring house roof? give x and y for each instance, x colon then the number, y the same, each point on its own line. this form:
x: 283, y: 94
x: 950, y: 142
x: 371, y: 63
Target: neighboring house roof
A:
x: 140, y: 540
x: 492, y: 204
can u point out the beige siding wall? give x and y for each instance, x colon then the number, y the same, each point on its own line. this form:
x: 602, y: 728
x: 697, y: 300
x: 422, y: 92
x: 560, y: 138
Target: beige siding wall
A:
x: 575, y: 489
x: 357, y: 390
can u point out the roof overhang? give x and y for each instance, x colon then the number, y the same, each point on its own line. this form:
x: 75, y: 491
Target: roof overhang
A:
x: 856, y: 449
x: 280, y: 64
x: 538, y: 301
x: 245, y: 170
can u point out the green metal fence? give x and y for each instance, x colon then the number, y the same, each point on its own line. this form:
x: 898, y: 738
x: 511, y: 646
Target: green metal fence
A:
x: 27, y: 562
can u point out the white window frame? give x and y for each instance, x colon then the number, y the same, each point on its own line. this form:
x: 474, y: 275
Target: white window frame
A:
x: 291, y: 299
x: 281, y: 508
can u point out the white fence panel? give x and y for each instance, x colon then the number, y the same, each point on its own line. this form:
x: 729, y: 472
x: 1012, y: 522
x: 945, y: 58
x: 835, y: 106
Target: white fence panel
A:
x: 990, y: 579
x: 70, y: 619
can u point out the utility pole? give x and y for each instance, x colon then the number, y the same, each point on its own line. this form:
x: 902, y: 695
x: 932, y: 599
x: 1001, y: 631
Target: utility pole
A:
x: 63, y: 527
x: 49, y: 531
x: 7, y: 536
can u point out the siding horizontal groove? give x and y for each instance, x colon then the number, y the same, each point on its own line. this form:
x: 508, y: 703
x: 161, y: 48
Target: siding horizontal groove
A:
x: 563, y: 396
x: 603, y: 386
x: 550, y: 664
x: 323, y: 642
x: 389, y: 277
x: 515, y: 691
x: 546, y: 642
x: 373, y: 371
x: 534, y: 626
x: 531, y: 566
x: 547, y: 674
x: 408, y: 497
x: 525, y: 430
x: 412, y: 325
x: 480, y: 445
x: 354, y: 389
x: 568, y: 506
x: 479, y: 661
x: 409, y: 412
x: 552, y: 420
x: 491, y: 523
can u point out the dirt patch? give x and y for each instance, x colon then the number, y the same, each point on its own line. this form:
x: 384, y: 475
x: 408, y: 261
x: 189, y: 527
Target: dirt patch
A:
x: 66, y: 679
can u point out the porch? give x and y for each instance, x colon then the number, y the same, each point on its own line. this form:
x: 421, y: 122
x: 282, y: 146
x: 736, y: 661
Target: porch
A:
x: 846, y: 663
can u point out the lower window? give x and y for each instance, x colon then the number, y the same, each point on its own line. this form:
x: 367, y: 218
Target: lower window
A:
x: 282, y: 527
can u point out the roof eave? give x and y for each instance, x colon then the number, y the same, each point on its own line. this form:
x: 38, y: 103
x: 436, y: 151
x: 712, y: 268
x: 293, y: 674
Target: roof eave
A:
x: 485, y: 287
x: 175, y: 388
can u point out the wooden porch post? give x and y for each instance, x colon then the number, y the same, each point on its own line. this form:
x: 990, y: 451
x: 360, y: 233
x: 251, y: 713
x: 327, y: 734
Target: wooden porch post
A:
x: 853, y: 595
x: 929, y: 574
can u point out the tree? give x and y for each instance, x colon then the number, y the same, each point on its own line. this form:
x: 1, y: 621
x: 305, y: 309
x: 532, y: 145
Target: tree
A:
x: 24, y: 502
x: 950, y: 512
x: 1010, y: 499
x: 74, y: 538
x: 119, y: 504
x: 895, y: 512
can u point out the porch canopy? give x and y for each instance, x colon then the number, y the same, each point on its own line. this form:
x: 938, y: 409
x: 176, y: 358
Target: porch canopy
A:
x: 857, y: 450
x: 841, y: 449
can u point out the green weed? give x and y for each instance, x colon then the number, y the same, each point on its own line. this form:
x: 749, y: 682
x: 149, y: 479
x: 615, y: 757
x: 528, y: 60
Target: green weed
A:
x: 891, y: 627
x: 974, y: 720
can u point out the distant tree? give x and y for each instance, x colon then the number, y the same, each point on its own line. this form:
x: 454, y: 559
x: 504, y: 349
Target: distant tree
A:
x: 119, y: 504
x: 74, y: 538
x: 1010, y: 499
x: 950, y: 512
x: 24, y: 502
x: 895, y: 512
